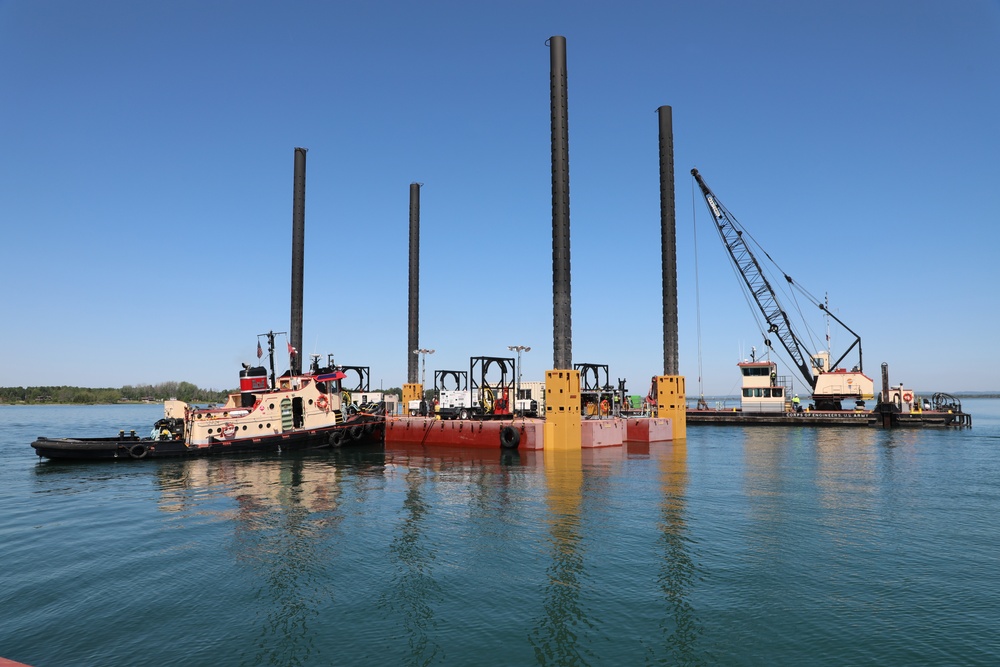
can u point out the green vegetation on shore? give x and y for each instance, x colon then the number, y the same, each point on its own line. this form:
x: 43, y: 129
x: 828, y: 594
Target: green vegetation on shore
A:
x: 182, y: 391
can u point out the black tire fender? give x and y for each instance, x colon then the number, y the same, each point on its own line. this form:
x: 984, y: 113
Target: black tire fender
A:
x: 138, y: 451
x: 337, y: 438
x: 510, y: 437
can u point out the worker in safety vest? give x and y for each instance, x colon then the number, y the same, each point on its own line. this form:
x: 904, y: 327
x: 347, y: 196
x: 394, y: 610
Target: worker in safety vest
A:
x: 796, y: 404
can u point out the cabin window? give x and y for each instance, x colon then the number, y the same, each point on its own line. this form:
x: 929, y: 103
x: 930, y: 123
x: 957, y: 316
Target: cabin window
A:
x: 777, y: 392
x: 747, y: 393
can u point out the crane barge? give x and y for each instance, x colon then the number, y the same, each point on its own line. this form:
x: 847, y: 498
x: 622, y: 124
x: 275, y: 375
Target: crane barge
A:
x: 767, y: 397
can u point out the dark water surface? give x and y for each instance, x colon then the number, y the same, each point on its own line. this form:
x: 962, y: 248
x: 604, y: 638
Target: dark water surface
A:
x: 756, y: 546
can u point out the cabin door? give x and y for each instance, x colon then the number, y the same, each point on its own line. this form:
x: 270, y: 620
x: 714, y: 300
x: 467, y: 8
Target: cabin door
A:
x: 287, y: 420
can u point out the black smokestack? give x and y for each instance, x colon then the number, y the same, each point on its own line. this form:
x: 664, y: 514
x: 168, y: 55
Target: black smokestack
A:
x: 562, y: 321
x: 413, y: 339
x: 298, y: 252
x: 668, y: 241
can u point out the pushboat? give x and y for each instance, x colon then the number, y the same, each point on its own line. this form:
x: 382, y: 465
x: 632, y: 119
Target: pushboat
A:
x: 307, y: 411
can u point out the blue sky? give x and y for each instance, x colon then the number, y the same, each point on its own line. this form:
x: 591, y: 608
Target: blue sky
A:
x: 146, y: 156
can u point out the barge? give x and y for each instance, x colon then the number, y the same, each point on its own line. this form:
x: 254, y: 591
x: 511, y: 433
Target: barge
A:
x: 767, y: 399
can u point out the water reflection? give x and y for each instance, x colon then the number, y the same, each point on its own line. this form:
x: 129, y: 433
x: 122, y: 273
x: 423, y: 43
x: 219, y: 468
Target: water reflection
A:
x: 555, y: 636
x: 678, y: 574
x: 414, y: 590
x: 286, y: 517
x: 289, y: 524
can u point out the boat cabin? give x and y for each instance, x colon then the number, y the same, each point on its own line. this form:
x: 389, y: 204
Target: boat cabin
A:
x: 761, y: 391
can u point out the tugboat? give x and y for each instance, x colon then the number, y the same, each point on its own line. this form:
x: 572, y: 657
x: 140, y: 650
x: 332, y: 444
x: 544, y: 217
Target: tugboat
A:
x: 291, y: 412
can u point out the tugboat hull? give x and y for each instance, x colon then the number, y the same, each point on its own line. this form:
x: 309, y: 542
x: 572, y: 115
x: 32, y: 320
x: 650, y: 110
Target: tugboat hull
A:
x: 363, y: 430
x: 92, y: 449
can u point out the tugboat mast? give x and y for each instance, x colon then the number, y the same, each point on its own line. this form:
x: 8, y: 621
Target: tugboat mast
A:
x: 270, y: 352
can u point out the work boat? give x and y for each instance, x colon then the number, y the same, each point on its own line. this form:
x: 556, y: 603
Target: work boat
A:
x: 294, y: 412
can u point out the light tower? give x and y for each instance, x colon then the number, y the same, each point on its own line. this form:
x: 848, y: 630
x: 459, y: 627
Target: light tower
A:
x: 517, y: 387
x: 423, y: 352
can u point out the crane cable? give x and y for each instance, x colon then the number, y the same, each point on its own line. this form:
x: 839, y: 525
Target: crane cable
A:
x: 740, y: 278
x: 790, y: 293
x: 697, y: 296
x: 788, y: 280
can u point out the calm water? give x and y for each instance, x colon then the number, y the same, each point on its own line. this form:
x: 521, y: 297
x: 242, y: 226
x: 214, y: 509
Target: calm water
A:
x: 763, y: 546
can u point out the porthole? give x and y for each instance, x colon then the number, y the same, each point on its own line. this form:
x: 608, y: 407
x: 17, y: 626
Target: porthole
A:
x: 260, y: 426
x: 244, y: 427
x: 271, y: 407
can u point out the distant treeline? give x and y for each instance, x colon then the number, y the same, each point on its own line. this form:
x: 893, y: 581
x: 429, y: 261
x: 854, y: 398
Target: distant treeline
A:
x: 182, y: 391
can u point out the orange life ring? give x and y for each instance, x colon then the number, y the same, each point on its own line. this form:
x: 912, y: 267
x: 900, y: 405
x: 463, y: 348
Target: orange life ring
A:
x: 907, y: 397
x: 321, y: 402
x: 604, y: 407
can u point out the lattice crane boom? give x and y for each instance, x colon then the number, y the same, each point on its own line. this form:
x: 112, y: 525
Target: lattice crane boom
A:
x: 757, y: 284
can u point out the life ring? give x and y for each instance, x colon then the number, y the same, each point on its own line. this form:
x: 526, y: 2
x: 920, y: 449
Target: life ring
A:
x: 907, y: 397
x: 510, y: 437
x: 321, y: 402
x: 337, y: 438
x: 605, y: 407
x: 138, y: 451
